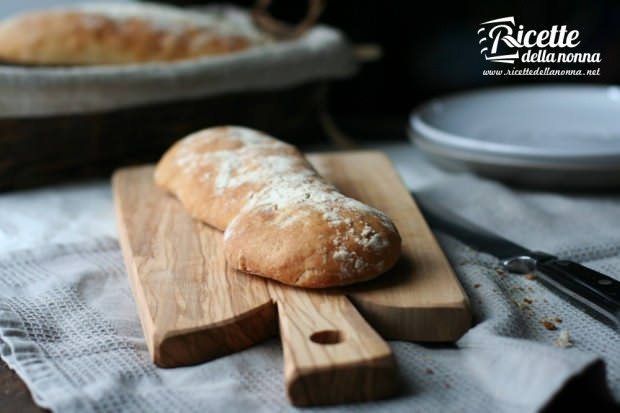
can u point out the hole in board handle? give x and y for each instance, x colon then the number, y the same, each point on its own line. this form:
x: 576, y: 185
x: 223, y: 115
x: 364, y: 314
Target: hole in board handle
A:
x: 327, y: 337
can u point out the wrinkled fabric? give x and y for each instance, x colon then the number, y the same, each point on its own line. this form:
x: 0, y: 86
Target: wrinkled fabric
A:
x: 68, y: 323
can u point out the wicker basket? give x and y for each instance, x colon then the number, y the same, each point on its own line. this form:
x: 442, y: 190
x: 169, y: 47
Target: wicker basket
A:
x: 77, y: 122
x: 44, y: 150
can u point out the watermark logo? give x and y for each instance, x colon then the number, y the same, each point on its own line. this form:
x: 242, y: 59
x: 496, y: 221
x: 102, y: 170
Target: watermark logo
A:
x: 494, y: 34
x: 505, y: 42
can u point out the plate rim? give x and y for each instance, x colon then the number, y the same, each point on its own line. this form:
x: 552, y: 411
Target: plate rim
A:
x: 541, y: 165
x: 500, y: 151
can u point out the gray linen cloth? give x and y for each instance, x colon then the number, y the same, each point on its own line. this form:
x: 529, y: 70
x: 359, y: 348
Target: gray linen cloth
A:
x: 68, y: 323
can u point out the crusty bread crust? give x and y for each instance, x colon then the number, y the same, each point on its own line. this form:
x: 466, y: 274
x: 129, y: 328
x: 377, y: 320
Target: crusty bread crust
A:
x: 91, y: 38
x: 280, y: 219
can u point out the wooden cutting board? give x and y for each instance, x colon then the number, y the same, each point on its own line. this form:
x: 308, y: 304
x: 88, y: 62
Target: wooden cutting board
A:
x: 194, y: 308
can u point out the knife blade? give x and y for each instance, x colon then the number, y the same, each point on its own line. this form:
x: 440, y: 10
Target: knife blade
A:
x: 589, y: 289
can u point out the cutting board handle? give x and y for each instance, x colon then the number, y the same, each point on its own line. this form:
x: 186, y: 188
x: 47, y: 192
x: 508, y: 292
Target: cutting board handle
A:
x: 331, y: 355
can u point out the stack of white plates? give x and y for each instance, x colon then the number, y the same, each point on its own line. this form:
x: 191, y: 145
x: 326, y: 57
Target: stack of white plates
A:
x: 551, y: 136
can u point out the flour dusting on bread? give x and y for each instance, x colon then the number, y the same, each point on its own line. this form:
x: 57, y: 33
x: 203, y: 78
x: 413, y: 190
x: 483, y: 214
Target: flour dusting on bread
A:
x: 261, y: 180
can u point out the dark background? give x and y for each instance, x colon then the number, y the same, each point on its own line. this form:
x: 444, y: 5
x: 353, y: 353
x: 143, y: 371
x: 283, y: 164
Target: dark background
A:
x: 428, y: 49
x: 431, y: 48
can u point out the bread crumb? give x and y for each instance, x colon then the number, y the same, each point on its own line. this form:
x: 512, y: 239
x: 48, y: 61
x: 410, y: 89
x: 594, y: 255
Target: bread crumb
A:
x: 563, y: 340
x: 548, y: 324
x: 530, y: 277
x: 558, y: 320
x: 528, y: 300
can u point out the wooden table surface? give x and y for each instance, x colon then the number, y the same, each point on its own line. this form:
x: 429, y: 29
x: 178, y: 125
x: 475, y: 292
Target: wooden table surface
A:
x: 14, y: 395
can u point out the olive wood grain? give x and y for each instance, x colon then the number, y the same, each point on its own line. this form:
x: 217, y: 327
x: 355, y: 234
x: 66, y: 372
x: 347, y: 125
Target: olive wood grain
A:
x: 331, y: 355
x: 420, y: 299
x: 194, y: 308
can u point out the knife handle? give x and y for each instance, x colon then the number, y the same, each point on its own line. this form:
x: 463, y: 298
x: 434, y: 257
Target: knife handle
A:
x: 593, y: 289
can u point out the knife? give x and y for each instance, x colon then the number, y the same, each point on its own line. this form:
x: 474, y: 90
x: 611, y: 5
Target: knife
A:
x: 595, y: 292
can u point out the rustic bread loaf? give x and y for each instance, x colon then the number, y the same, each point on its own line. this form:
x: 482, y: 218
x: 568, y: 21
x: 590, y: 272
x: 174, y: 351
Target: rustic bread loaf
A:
x: 114, y: 34
x: 280, y: 219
